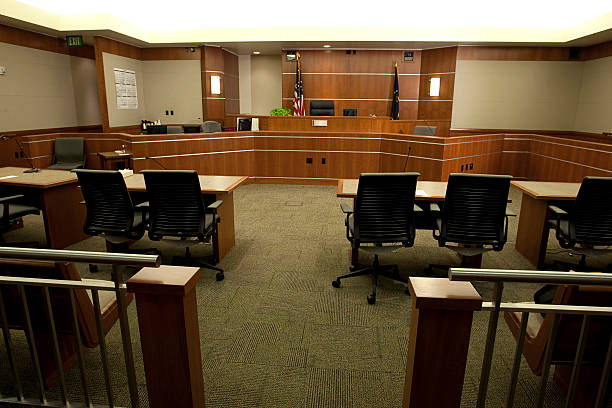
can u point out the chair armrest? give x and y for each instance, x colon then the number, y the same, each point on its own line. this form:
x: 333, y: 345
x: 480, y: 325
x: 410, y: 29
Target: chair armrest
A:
x: 559, y: 213
x: 510, y: 213
x: 214, y: 206
x: 346, y: 208
x: 10, y: 198
x: 82, y: 202
x: 418, y: 209
x: 143, y: 205
x: 435, y: 208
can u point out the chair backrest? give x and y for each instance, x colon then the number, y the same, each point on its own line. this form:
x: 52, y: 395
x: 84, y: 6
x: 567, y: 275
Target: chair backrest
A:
x: 475, y: 209
x: 591, y: 216
x: 69, y: 150
x: 109, y: 206
x: 425, y: 130
x: 62, y: 310
x: 384, y: 208
x: 176, y: 207
x: 173, y: 130
x: 321, y: 108
x: 210, y: 126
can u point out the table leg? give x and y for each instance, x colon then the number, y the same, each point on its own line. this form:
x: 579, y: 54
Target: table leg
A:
x: 63, y: 215
x: 226, y: 234
x: 354, y: 251
x: 532, y: 234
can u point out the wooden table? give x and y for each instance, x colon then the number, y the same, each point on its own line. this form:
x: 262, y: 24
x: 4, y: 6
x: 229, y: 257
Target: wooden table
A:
x: 115, y: 161
x: 213, y: 188
x: 425, y: 190
x: 532, y: 234
x: 57, y: 194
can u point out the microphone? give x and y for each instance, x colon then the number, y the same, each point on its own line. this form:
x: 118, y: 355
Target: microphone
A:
x: 157, y: 161
x: 32, y: 169
x: 407, y: 156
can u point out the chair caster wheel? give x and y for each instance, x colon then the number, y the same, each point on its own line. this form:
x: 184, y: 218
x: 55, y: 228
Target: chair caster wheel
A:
x: 371, y: 299
x: 336, y: 283
x: 220, y: 276
x: 93, y: 268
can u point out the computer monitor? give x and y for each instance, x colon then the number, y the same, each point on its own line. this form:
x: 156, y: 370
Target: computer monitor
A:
x: 349, y: 112
x: 243, y: 124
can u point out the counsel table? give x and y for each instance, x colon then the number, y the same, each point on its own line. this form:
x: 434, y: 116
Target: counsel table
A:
x: 213, y: 188
x: 57, y: 194
x: 532, y: 234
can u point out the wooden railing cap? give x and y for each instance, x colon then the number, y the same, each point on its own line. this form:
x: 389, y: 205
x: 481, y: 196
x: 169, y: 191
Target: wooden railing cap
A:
x: 440, y: 293
x: 165, y: 280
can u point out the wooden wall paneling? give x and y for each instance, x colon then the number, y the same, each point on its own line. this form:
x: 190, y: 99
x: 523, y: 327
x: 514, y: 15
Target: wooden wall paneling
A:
x: 375, y: 61
x: 99, y: 47
x: 117, y: 48
x: 435, y: 110
x: 304, y: 123
x: 438, y: 60
x: 212, y: 60
x: 232, y: 85
x: 493, y: 53
x: 596, y: 51
x: 447, y: 87
x: 171, y: 53
x: 434, y: 62
x: 24, y: 38
x: 364, y: 108
x: 407, y: 126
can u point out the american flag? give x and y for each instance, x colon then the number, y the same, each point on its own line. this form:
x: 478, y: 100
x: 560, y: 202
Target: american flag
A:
x: 298, y: 94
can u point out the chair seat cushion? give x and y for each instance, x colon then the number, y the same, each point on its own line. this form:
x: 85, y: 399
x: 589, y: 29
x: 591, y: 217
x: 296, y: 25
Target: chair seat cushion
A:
x: 66, y: 166
x: 18, y: 210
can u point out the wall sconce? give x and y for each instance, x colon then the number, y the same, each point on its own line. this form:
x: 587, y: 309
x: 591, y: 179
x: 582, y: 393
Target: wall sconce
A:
x: 434, y: 87
x: 215, y: 85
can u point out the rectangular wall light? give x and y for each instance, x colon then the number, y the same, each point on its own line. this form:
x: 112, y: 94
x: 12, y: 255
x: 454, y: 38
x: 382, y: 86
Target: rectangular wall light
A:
x: 215, y: 85
x: 434, y: 87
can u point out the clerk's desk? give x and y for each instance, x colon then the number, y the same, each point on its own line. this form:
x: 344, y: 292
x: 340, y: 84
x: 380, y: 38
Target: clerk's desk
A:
x: 213, y: 188
x: 532, y: 234
x: 57, y: 194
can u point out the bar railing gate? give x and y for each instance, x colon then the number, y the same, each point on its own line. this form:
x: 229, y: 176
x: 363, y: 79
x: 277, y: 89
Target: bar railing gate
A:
x: 114, y: 259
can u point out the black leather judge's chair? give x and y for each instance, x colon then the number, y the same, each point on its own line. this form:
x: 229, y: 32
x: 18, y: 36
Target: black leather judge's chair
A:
x: 110, y: 211
x: 321, y: 108
x: 586, y: 229
x: 474, y: 215
x: 425, y: 130
x: 10, y: 213
x: 381, y: 222
x: 69, y: 153
x: 178, y: 214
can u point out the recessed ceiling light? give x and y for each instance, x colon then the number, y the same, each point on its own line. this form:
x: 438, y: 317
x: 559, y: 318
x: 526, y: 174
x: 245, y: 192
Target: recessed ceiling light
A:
x: 256, y: 52
x: 327, y: 46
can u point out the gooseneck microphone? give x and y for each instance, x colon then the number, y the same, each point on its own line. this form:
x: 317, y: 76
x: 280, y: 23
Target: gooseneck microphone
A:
x: 32, y: 169
x: 407, y: 156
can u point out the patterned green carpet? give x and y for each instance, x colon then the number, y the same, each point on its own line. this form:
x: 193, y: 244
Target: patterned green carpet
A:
x: 275, y: 333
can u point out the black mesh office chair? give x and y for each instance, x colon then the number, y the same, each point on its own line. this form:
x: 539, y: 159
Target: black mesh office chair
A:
x: 383, y: 214
x: 177, y: 210
x: 69, y: 153
x: 587, y: 226
x: 110, y: 211
x: 474, y: 215
x: 10, y: 213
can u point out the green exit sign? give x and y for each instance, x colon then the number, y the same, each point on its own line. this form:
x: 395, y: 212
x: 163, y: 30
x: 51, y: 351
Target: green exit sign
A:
x: 74, y: 40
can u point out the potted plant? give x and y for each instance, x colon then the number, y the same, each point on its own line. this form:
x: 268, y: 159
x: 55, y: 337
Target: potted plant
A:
x: 281, y: 112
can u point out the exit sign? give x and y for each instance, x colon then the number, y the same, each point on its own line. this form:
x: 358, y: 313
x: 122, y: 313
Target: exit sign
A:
x: 74, y: 40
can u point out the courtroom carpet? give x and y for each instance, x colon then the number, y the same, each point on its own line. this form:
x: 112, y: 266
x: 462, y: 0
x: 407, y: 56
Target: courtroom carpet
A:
x: 275, y: 333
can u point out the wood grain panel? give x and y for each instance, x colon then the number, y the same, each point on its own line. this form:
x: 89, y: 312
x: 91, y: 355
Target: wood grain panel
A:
x: 171, y: 53
x: 596, y: 51
x: 435, y: 110
x: 407, y: 126
x: 492, y: 53
x: 99, y: 46
x: 24, y: 38
x: 231, y: 106
x: 373, y: 61
x: 213, y: 59
x: 408, y: 109
x: 230, y: 63
x: 438, y: 60
x: 117, y: 48
x: 84, y: 51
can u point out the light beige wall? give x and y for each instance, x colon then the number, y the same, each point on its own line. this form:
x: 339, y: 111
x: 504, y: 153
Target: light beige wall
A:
x: 85, y: 86
x: 123, y: 117
x: 37, y: 91
x: 173, y: 86
x: 244, y: 83
x: 266, y: 83
x: 594, y: 110
x: 516, y: 94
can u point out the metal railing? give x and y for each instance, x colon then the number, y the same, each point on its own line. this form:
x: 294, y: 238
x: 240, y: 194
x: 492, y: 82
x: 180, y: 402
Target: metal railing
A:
x: 114, y: 259
x: 499, y: 277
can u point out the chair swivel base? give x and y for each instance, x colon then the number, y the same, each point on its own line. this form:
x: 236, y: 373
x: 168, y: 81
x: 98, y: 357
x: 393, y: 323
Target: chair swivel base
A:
x: 376, y: 270
x: 189, y: 261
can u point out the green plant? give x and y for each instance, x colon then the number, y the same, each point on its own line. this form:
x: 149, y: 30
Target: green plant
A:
x: 280, y: 112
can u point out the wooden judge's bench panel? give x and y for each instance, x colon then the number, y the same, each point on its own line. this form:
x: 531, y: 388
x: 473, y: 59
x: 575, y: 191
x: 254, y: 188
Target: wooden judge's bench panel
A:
x: 297, y: 152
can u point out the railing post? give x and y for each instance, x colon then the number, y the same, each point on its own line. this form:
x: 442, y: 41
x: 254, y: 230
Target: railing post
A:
x: 440, y: 327
x: 169, y: 335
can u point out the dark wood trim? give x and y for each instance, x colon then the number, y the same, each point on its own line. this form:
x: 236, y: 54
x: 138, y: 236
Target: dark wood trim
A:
x: 596, y: 51
x: 131, y: 129
x: 72, y: 129
x: 170, y: 53
x: 567, y: 134
x: 99, y: 46
x: 118, y: 48
x: 24, y: 38
x: 486, y: 53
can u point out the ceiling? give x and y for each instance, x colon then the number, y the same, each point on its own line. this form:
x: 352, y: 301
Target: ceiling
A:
x: 257, y: 26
